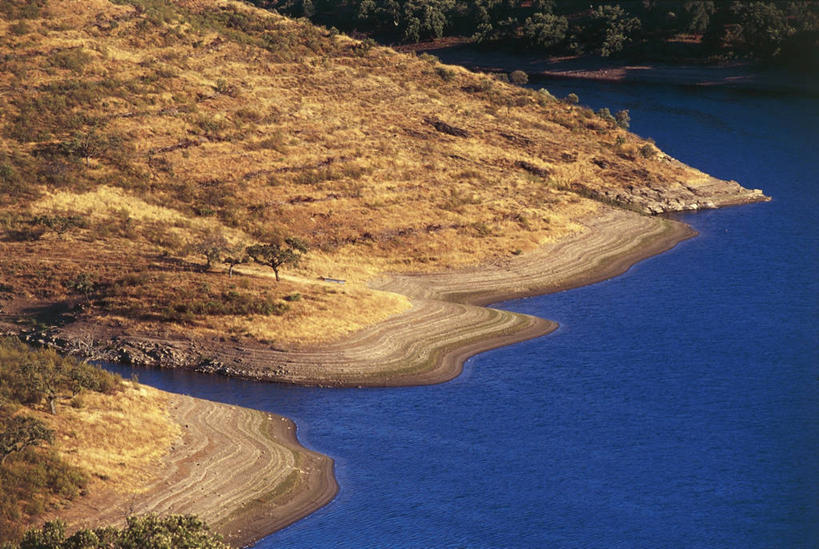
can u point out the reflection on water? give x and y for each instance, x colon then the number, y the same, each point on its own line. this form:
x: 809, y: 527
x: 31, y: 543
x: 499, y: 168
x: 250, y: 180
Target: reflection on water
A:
x: 677, y: 405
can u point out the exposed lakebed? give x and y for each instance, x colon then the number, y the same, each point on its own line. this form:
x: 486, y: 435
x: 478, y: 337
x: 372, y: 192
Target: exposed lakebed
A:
x: 677, y: 405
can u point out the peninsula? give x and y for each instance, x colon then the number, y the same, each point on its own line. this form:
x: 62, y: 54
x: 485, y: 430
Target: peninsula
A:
x: 158, y: 157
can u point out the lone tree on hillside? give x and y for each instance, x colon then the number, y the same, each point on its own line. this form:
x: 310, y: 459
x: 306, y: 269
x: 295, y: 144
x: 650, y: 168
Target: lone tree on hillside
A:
x: 277, y: 254
x: 235, y: 255
x: 212, y: 245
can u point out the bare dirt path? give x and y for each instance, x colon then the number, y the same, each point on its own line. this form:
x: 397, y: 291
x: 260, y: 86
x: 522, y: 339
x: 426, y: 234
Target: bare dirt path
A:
x: 241, y: 470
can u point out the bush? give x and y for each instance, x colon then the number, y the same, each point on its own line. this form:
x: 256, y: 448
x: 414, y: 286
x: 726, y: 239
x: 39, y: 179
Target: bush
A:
x: 623, y: 119
x: 544, y: 97
x: 605, y: 114
x: 519, y: 78
x: 144, y: 531
x: 29, y: 376
x: 446, y: 74
x: 73, y: 59
x: 648, y: 151
x: 572, y: 99
x: 22, y: 9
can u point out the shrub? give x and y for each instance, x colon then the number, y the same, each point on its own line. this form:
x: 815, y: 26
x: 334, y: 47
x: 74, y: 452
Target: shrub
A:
x: 605, y: 114
x: 20, y: 28
x: 572, y: 99
x: 648, y: 151
x: 73, y: 59
x: 446, y: 74
x: 623, y: 119
x: 225, y: 88
x: 544, y: 97
x: 22, y: 9
x: 519, y: 78
x: 151, y: 530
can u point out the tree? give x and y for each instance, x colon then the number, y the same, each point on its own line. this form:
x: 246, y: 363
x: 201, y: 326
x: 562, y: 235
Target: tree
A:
x: 212, y: 246
x: 22, y: 432
x: 545, y: 30
x: 277, y: 254
x: 700, y: 13
x: 609, y: 29
x: 623, y: 119
x: 86, y: 145
x: 139, y: 532
x: 235, y: 255
x: 764, y: 28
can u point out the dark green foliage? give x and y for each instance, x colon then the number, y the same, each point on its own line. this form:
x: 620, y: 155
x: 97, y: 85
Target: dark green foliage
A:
x: 447, y: 75
x: 212, y: 246
x: 82, y: 284
x: 73, y: 59
x: 764, y: 27
x: 15, y: 178
x: 230, y: 302
x: 647, y: 151
x: 605, y: 114
x: 607, y: 30
x: 545, y: 30
x: 140, y: 532
x: 641, y: 28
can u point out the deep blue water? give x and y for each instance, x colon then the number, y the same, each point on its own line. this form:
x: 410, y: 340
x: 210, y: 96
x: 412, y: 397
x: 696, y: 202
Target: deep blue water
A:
x: 677, y: 405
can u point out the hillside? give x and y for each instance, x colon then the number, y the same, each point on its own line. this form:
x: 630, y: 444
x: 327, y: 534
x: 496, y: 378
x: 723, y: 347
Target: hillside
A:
x: 83, y: 445
x: 145, y: 141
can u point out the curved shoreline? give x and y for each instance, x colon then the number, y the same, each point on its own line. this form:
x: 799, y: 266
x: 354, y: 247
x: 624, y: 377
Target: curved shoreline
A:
x: 273, y: 481
x: 241, y: 470
x: 447, y: 324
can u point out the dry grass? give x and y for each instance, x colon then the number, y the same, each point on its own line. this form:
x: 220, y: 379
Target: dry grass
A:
x: 216, y: 116
x: 118, y: 439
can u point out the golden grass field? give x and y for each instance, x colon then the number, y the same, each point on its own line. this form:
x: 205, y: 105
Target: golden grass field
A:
x: 132, y: 131
x: 120, y: 439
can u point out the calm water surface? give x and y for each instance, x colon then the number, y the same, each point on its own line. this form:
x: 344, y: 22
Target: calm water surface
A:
x: 677, y: 405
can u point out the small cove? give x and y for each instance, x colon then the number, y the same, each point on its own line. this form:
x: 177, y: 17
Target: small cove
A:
x: 677, y: 405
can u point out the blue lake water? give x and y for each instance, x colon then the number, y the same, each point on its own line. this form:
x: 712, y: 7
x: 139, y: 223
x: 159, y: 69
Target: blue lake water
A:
x: 676, y: 406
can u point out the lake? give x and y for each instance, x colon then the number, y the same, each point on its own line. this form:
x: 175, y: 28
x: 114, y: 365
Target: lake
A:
x: 676, y: 406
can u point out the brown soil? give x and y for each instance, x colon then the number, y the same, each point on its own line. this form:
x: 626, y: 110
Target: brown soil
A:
x: 241, y: 470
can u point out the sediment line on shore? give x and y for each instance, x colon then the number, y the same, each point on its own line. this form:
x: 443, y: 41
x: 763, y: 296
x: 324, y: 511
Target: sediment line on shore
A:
x: 244, y: 471
x: 448, y: 322
x: 241, y: 470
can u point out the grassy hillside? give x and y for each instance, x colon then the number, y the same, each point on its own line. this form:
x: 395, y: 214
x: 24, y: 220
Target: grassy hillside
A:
x: 67, y: 427
x: 139, y: 134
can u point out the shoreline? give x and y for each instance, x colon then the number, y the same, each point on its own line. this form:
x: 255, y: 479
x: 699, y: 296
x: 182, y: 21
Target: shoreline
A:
x: 243, y: 507
x: 242, y: 470
x: 448, y: 323
x: 736, y: 75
